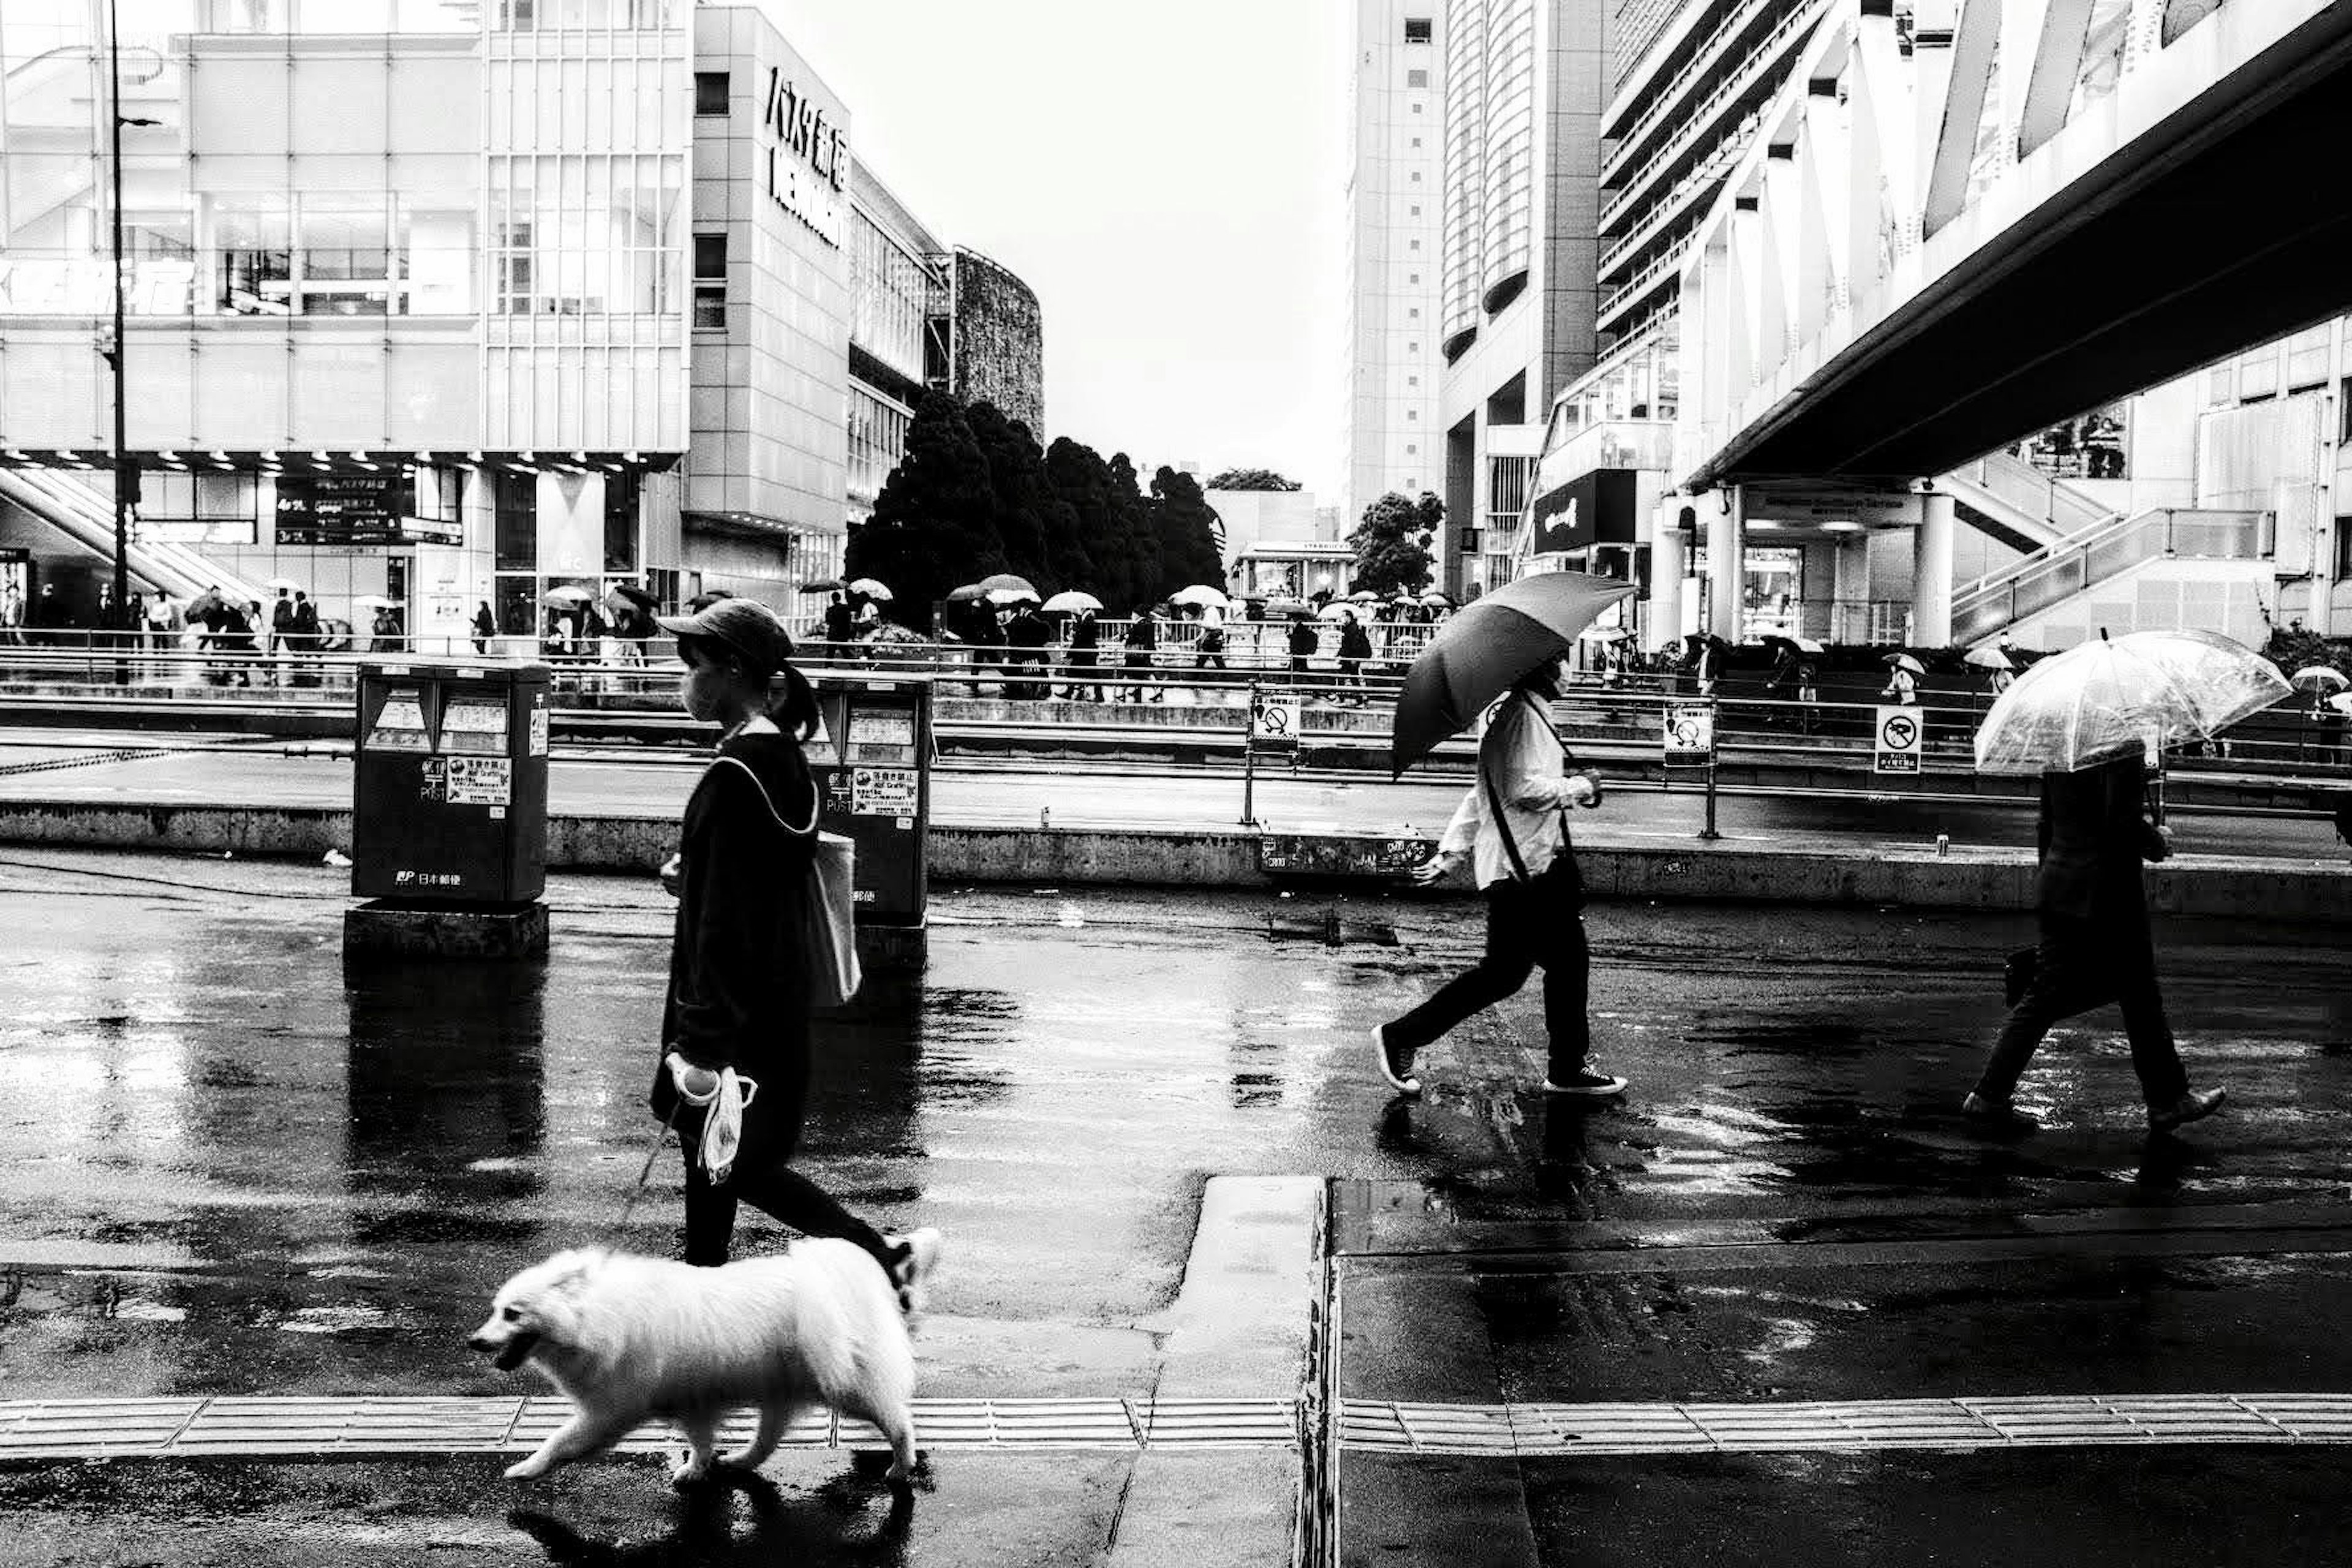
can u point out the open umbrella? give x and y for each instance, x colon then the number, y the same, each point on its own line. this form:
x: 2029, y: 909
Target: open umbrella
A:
x: 1363, y: 596
x: 824, y: 585
x: 1904, y: 661
x: 1009, y: 584
x: 705, y: 599
x: 2341, y: 703
x: 288, y: 584
x: 2319, y: 678
x: 375, y: 602
x: 1987, y: 657
x: 1481, y: 652
x: 1793, y: 644
x: 2105, y: 698
x: 871, y: 589
x: 631, y: 595
x: 566, y: 596
x: 1200, y: 595
x: 1603, y: 634
x: 1338, y: 609
x: 1069, y: 601
x: 970, y: 592
x: 1436, y: 600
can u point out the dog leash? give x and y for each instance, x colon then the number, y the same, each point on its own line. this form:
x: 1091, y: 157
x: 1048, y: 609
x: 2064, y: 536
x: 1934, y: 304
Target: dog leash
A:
x: 644, y: 1173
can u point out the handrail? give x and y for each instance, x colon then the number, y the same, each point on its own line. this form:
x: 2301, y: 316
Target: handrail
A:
x: 2098, y: 554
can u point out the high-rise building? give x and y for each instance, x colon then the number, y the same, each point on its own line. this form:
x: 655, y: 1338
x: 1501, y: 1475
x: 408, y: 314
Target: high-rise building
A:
x: 1524, y: 85
x: 1394, y: 185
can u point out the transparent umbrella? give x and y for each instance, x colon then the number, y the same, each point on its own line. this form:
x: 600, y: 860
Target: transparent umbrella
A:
x: 2105, y: 697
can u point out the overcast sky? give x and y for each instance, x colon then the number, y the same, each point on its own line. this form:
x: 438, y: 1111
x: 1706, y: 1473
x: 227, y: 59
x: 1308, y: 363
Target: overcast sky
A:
x: 1167, y: 174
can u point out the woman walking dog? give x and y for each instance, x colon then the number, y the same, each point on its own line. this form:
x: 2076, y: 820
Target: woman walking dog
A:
x: 739, y: 991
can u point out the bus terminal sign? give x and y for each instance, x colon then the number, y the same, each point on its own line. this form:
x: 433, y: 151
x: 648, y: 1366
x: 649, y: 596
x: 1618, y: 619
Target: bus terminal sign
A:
x: 808, y: 159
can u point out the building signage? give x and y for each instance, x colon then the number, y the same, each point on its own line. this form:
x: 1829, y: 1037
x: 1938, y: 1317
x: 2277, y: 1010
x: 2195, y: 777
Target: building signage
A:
x: 808, y: 159
x: 354, y: 508
x: 1591, y: 509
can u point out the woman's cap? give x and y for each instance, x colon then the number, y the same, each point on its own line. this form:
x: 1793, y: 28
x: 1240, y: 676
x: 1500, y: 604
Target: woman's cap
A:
x: 745, y: 627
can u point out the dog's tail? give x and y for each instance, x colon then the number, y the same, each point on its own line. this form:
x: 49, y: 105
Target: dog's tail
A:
x: 912, y: 1257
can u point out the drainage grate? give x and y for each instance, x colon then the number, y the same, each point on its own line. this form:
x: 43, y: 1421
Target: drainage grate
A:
x: 172, y: 1428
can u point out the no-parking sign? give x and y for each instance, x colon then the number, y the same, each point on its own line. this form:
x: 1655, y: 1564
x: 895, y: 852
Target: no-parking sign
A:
x: 1690, y: 735
x: 1273, y: 719
x: 1901, y: 731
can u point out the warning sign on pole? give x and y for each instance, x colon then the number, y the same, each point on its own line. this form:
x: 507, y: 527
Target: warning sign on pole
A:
x: 1690, y: 735
x: 1900, y: 732
x: 1273, y: 719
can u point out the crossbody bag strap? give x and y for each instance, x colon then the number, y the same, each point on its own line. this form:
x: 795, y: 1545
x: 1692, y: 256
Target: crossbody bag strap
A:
x: 768, y: 801
x: 1502, y: 822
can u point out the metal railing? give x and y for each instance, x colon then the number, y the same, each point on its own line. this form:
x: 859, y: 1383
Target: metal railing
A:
x: 2028, y: 491
x: 2063, y: 569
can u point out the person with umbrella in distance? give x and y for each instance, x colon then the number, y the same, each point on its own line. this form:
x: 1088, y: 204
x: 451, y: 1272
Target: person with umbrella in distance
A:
x: 2088, y: 722
x: 1902, y: 673
x: 1512, y: 824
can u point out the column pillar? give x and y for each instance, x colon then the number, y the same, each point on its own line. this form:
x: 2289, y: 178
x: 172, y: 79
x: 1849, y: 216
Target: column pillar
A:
x: 1931, y: 572
x: 1726, y: 547
x: 1669, y: 564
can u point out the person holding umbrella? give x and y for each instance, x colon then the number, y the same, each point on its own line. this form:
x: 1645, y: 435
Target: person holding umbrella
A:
x: 2087, y: 722
x: 1903, y: 678
x: 1512, y: 824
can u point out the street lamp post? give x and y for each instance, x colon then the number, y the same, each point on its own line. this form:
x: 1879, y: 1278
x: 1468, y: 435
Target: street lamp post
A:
x: 126, y: 472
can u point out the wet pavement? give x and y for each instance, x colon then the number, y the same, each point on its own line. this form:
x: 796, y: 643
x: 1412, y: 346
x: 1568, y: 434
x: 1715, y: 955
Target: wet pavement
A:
x: 228, y: 1165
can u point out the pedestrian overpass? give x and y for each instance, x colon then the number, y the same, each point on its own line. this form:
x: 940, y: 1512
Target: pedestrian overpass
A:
x: 1961, y: 221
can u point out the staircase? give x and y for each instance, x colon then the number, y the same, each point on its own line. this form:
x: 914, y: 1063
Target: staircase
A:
x: 2100, y: 554
x: 86, y: 515
x: 2011, y: 500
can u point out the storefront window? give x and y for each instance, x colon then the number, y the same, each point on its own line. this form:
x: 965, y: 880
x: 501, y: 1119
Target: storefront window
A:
x: 1772, y: 599
x: 514, y: 501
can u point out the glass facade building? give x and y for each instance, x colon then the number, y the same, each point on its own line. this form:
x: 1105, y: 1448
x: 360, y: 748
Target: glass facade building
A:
x: 577, y: 280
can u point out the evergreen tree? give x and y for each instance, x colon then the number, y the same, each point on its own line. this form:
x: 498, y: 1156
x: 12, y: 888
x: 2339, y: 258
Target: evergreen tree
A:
x: 1133, y: 542
x: 1250, y: 480
x: 1392, y: 543
x: 1186, y: 527
x: 934, y: 525
x: 1020, y: 495
x: 1082, y: 484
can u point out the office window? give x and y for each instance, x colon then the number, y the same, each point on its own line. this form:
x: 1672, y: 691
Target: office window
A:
x: 1413, y: 314
x: 2344, y: 410
x: 1412, y: 381
x: 710, y: 92
x: 1413, y: 414
x: 1416, y: 29
x: 1411, y: 449
x: 1416, y: 140
x: 710, y: 282
x: 1412, y: 244
x: 1416, y: 78
x: 1412, y: 277
x: 2344, y: 549
x: 621, y: 492
x: 1416, y: 212
x: 1416, y: 106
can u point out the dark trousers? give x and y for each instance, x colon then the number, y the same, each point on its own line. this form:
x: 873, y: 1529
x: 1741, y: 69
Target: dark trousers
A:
x: 1527, y: 924
x: 762, y: 1178
x: 2082, y: 964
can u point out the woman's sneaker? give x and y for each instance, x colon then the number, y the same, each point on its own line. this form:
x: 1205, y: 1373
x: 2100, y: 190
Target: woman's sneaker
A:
x: 912, y: 1258
x: 1588, y: 1084
x: 2194, y: 1106
x: 1396, y: 1062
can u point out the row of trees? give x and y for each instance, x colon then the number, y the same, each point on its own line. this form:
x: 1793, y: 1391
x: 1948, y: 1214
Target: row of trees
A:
x: 975, y: 495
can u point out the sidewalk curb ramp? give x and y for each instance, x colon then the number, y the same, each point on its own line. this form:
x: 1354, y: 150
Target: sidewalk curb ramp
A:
x: 1666, y: 869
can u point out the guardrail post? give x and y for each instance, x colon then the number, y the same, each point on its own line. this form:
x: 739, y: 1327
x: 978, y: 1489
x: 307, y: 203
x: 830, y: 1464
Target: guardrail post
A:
x: 1249, y: 759
x: 1714, y: 750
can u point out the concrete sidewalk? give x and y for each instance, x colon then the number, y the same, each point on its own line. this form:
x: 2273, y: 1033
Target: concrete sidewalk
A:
x: 1071, y: 829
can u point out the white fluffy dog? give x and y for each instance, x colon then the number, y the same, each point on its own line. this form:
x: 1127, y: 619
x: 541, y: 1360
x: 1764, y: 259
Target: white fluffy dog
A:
x: 635, y: 1339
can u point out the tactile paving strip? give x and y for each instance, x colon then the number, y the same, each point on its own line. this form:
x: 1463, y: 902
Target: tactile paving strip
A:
x: 1534, y: 1430
x: 274, y: 1427
x: 280, y: 1428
